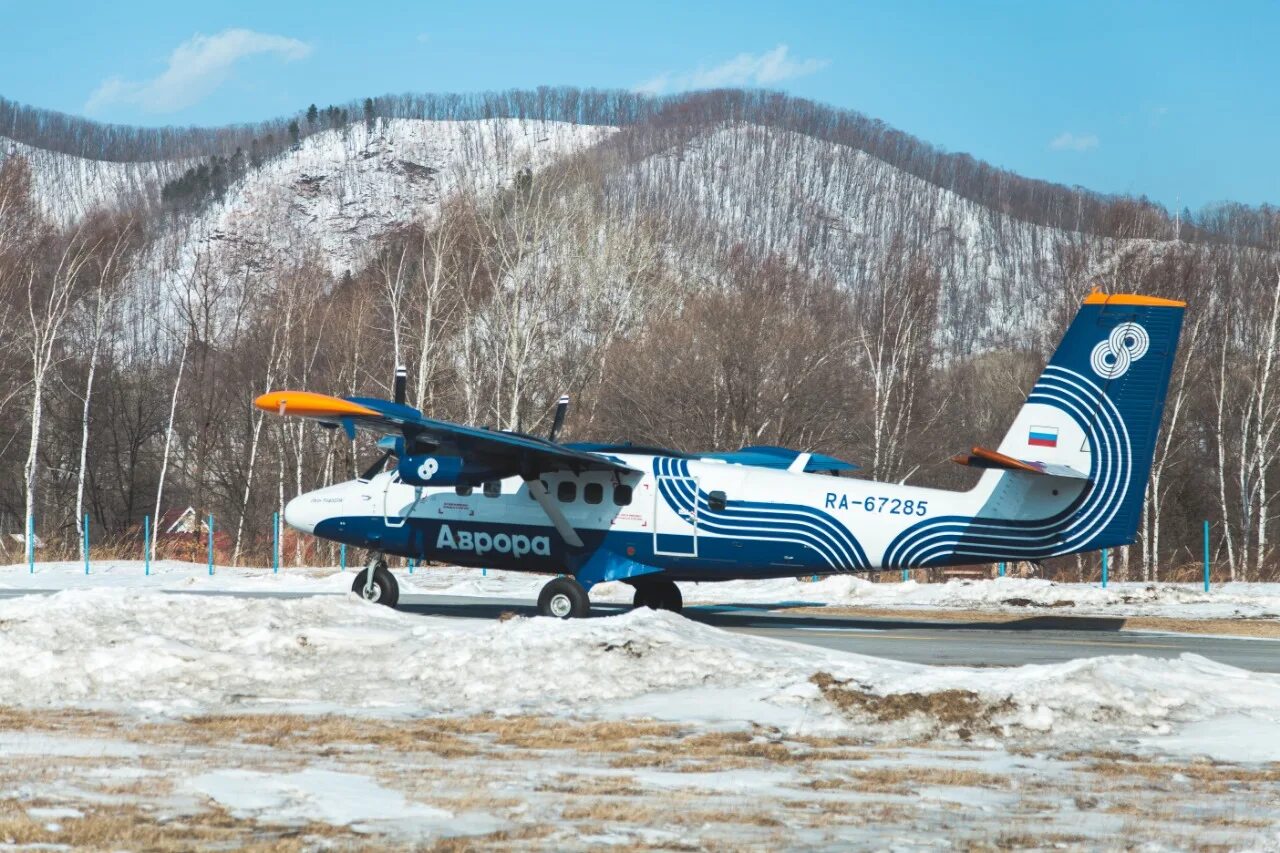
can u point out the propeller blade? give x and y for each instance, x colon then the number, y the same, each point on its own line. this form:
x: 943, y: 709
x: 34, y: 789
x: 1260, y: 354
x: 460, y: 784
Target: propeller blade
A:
x: 562, y: 407
x: 376, y: 468
x: 401, y: 383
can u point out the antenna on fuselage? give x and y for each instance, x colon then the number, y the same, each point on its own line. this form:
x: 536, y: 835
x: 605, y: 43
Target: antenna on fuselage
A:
x: 401, y: 384
x: 399, y: 388
x: 562, y: 408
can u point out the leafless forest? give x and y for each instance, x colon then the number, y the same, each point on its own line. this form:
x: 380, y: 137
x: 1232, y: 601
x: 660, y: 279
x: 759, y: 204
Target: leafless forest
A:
x: 726, y: 268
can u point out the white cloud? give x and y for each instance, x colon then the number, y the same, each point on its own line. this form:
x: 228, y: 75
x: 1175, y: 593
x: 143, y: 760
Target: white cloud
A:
x: 1067, y: 141
x: 197, y: 67
x: 745, y: 69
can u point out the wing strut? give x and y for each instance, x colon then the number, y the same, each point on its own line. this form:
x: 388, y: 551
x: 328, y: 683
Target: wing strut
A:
x: 538, y: 489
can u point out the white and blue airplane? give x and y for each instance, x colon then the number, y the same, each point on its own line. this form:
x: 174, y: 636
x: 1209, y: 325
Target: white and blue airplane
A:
x: 1068, y: 477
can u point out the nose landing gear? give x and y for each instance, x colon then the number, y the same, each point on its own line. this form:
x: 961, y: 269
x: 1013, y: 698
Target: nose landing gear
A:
x: 564, y: 598
x: 376, y: 583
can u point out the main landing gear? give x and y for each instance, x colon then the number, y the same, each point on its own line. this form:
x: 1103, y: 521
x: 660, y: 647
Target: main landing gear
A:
x: 376, y: 583
x: 564, y: 598
x: 659, y: 594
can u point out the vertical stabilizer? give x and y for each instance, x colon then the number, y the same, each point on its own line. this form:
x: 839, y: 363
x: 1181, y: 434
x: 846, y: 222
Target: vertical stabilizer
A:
x: 1097, y: 407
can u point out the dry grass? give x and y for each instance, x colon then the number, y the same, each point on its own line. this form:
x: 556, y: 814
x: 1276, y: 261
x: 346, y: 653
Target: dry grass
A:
x: 122, y: 828
x: 518, y: 838
x: 832, y: 785
x: 907, y: 778
x: 730, y: 750
x: 963, y: 711
x: 660, y: 813
x: 593, y: 786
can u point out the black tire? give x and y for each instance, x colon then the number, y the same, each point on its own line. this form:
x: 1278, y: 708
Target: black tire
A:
x: 669, y: 597
x: 564, y: 598
x: 659, y: 595
x: 385, y: 589
x: 645, y: 597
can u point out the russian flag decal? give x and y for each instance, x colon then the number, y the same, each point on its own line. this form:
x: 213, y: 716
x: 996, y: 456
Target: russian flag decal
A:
x: 1043, y: 436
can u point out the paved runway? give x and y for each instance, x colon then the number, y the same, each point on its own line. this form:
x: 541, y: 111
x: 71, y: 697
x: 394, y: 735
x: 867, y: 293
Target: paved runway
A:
x: 1035, y: 639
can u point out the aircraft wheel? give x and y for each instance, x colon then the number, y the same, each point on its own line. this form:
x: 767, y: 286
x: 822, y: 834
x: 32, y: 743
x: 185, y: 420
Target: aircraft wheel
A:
x: 659, y: 595
x: 671, y: 599
x: 385, y: 589
x: 645, y: 597
x: 563, y: 598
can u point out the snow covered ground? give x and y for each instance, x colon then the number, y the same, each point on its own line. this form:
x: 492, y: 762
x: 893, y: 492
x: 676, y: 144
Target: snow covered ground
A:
x: 149, y: 652
x: 567, y: 735
x: 1006, y: 595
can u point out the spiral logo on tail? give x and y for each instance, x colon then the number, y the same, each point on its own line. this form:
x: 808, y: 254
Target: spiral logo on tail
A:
x: 1127, y: 343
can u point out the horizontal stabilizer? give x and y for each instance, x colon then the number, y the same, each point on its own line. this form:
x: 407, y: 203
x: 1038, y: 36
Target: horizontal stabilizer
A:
x: 981, y: 457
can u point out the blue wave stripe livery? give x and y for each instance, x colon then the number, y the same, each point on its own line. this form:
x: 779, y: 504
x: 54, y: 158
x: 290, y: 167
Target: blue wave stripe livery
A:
x: 766, y: 522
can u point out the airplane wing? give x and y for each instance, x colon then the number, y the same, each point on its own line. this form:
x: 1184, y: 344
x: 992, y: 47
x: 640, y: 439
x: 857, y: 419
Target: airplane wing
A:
x: 982, y: 457
x: 526, y: 455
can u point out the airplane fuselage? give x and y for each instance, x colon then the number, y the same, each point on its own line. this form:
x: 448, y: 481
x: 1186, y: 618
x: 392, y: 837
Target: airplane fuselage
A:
x: 686, y: 518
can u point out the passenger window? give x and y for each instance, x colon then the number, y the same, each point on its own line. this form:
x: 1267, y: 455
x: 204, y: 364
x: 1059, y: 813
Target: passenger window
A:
x: 593, y: 493
x: 567, y: 491
x: 717, y: 501
x: 492, y: 488
x: 463, y: 491
x: 622, y: 495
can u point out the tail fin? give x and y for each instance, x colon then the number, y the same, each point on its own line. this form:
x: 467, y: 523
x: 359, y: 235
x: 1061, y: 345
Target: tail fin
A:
x: 1097, y: 407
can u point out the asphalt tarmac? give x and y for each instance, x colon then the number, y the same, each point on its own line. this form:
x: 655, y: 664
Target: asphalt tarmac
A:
x: 1036, y: 639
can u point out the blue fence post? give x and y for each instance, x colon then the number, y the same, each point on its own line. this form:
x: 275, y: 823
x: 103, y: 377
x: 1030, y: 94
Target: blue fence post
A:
x: 86, y: 543
x: 31, y: 544
x: 342, y: 556
x: 1000, y: 568
x: 1104, y: 568
x: 211, y: 544
x: 1206, y: 555
x: 275, y: 542
x: 905, y: 576
x: 411, y: 565
x: 146, y: 543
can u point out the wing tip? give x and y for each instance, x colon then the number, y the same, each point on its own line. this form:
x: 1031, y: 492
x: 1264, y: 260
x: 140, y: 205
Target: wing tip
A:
x: 308, y: 404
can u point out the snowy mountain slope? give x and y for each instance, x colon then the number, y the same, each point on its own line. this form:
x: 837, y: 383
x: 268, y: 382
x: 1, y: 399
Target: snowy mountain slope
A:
x: 838, y: 210
x: 829, y: 207
x: 340, y: 189
x: 67, y: 187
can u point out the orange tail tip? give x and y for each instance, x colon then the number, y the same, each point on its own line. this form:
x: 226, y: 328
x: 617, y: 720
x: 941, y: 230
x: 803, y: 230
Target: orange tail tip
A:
x: 1097, y: 297
x: 306, y: 404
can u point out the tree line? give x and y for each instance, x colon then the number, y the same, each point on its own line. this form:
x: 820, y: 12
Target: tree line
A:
x: 998, y: 190
x: 662, y: 279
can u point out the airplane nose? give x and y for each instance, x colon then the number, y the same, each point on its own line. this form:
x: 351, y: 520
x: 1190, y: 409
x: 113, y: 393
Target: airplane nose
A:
x: 301, y: 514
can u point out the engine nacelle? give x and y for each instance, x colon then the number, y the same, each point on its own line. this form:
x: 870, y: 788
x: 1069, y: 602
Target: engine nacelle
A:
x: 429, y: 470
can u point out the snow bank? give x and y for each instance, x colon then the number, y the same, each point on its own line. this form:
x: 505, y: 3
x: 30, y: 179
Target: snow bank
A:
x: 151, y: 652
x: 1015, y: 595
x: 1255, y: 600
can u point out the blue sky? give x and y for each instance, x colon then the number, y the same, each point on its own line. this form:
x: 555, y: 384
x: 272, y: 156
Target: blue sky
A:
x: 1176, y: 101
